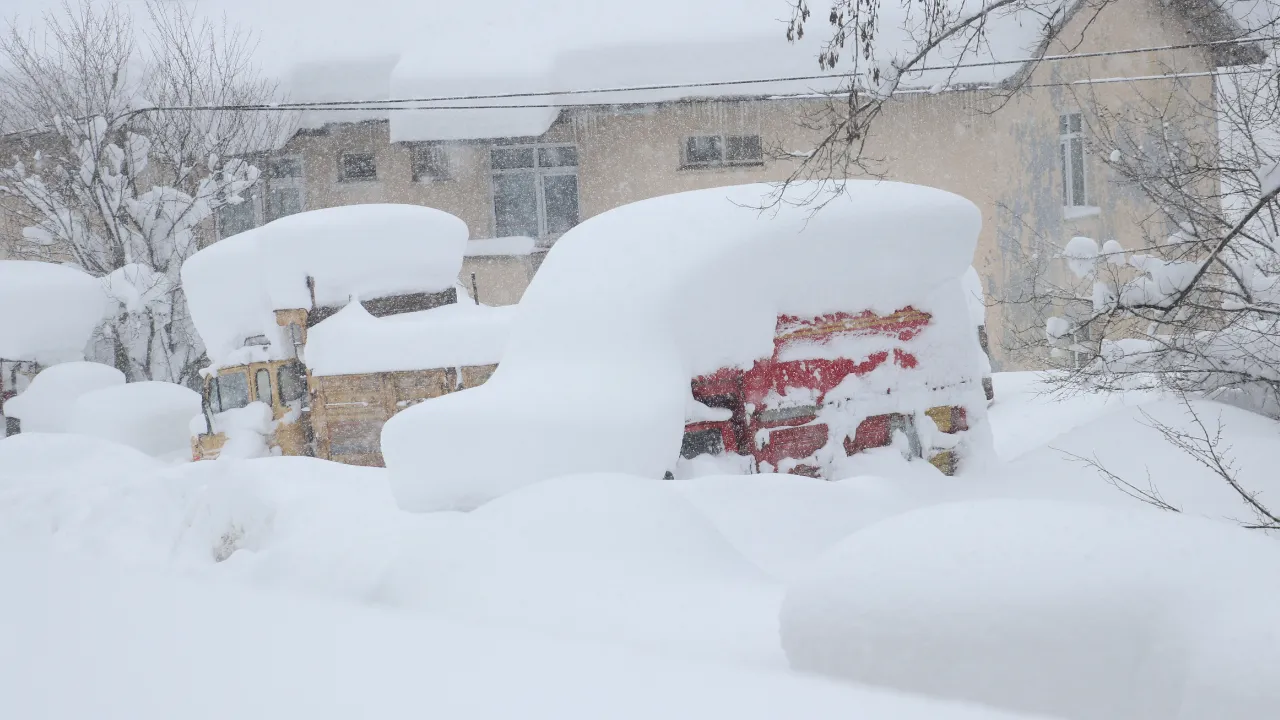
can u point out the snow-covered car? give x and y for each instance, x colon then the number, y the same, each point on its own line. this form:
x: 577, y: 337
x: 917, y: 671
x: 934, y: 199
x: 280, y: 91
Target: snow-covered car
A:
x: 322, y: 325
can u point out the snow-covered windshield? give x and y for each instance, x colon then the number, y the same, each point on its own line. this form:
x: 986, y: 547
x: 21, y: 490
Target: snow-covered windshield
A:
x: 230, y: 391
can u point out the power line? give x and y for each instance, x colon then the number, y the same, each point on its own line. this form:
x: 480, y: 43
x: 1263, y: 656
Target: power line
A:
x: 762, y: 81
x: 812, y: 95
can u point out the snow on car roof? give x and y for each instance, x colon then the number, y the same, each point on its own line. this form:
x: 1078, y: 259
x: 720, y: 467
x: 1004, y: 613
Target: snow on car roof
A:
x: 58, y: 307
x: 234, y: 286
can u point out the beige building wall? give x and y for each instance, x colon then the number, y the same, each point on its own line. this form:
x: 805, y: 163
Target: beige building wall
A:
x: 1002, y: 153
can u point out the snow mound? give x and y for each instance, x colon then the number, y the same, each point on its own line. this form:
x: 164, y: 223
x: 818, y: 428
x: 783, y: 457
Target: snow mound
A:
x: 60, y: 307
x: 782, y: 523
x: 84, y: 641
x: 579, y: 554
x: 615, y: 324
x: 151, y: 417
x: 455, y: 335
x: 1074, y: 611
x: 45, y: 406
x: 369, y: 251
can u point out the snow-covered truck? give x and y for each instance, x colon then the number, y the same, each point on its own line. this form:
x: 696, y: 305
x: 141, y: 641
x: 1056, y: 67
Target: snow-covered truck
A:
x: 320, y: 326
x: 788, y: 340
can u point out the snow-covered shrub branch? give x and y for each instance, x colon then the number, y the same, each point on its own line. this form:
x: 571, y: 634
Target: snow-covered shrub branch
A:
x: 1198, y: 308
x: 124, y: 192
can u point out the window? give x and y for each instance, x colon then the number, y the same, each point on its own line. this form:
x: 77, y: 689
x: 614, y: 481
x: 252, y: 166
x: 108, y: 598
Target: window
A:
x: 283, y: 188
x: 357, y: 167
x: 235, y: 219
x: 1080, y: 346
x: 430, y: 163
x: 702, y: 442
x: 1071, y: 145
x: 535, y: 190
x: 723, y: 150
x: 230, y: 391
x: 292, y: 382
x: 262, y: 380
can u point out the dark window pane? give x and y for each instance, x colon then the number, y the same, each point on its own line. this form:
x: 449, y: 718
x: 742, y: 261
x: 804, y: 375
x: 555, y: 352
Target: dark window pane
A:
x: 292, y: 382
x: 702, y: 442
x: 561, y: 195
x: 231, y: 391
x: 430, y: 162
x: 235, y: 219
x: 703, y: 150
x: 282, y: 201
x: 1077, y: 172
x: 359, y: 166
x: 743, y: 149
x: 1075, y: 124
x: 557, y: 157
x: 284, y: 168
x: 511, y: 158
x: 1062, y: 124
x: 1066, y: 174
x: 515, y: 204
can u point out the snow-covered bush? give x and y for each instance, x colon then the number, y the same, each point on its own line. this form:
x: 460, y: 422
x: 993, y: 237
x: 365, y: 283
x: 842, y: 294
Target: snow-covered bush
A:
x: 1073, y: 611
x: 46, y: 404
x: 151, y: 417
x: 125, y: 194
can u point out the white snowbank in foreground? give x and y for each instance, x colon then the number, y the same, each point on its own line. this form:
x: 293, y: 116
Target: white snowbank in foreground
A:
x: 49, y: 311
x: 83, y: 641
x: 1074, y: 611
x: 151, y: 417
x: 459, y: 334
x: 45, y: 406
x: 367, y: 251
x: 630, y: 305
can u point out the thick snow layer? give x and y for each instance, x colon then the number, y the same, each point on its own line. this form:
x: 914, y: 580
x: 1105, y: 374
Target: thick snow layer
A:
x: 975, y: 296
x: 353, y: 341
x: 49, y: 311
x: 368, y: 251
x: 45, y: 406
x: 633, y: 303
x: 151, y: 417
x: 1073, y: 611
x: 149, y: 647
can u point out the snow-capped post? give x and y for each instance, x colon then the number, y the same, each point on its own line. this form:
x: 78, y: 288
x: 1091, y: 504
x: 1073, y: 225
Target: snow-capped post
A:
x: 125, y: 192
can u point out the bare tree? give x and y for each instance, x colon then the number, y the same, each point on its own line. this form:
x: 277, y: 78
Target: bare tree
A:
x: 125, y: 191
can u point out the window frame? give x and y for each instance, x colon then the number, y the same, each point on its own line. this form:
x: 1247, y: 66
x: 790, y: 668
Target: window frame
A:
x: 1069, y: 142
x: 539, y: 172
x: 724, y: 162
x: 342, y: 167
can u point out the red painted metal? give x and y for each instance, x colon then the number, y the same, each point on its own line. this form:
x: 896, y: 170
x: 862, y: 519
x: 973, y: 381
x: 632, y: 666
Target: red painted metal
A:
x: 772, y: 438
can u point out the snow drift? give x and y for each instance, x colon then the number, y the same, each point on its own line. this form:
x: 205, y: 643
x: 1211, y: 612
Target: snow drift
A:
x: 459, y: 334
x: 45, y: 406
x: 1074, y: 611
x: 632, y: 304
x: 60, y: 307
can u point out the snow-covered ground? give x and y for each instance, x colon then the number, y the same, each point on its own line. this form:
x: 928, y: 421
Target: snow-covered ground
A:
x: 138, y: 589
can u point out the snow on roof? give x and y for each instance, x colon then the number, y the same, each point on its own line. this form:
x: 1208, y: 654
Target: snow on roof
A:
x: 45, y: 406
x: 457, y: 335
x: 488, y: 247
x: 47, y: 311
x: 234, y: 286
x: 634, y: 302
